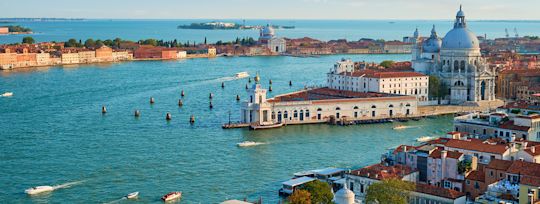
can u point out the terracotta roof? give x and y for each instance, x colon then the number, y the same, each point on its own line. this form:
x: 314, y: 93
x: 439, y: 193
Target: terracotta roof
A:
x: 368, y: 73
x: 530, y: 150
x: 476, y: 145
x: 380, y: 172
x: 511, y: 126
x: 450, y: 154
x: 499, y: 164
x: 477, y: 175
x: 530, y: 180
x: 438, y: 191
x: 524, y: 168
x: 319, y: 94
x: 400, y: 148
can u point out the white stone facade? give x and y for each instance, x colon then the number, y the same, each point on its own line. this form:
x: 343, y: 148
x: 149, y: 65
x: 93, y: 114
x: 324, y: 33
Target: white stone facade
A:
x: 458, y: 63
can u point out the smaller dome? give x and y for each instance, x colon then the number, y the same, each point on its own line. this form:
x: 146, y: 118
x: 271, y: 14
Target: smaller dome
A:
x: 432, y: 45
x: 268, y: 31
x: 344, y: 196
x: 460, y: 13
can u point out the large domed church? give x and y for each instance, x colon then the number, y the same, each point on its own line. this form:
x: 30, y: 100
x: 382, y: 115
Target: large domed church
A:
x: 456, y: 60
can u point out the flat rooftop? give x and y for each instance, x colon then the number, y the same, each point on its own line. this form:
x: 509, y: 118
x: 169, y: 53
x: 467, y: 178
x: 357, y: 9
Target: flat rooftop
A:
x: 327, y: 94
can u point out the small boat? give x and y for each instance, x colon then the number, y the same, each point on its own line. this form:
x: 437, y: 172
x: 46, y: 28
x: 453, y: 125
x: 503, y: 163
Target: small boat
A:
x: 7, y: 94
x: 38, y: 190
x: 399, y: 127
x: 249, y: 144
x: 240, y: 75
x: 260, y: 127
x: 424, y: 139
x: 172, y: 196
x: 133, y: 195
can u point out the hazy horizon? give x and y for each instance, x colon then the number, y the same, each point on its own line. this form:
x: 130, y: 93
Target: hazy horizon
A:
x: 274, y: 10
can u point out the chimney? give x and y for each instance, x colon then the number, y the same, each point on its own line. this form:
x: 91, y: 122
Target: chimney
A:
x: 444, y: 153
x: 404, y: 148
x: 533, y: 149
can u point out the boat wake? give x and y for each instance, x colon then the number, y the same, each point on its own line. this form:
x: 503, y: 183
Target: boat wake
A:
x: 250, y: 144
x: 425, y: 139
x: 67, y: 185
x: 401, y: 127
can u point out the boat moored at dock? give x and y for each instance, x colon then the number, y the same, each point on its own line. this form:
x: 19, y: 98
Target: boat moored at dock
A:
x: 288, y: 187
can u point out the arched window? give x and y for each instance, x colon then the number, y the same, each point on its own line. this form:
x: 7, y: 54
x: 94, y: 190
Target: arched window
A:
x: 456, y: 66
x: 356, y: 107
x: 408, y: 105
x: 273, y: 115
x: 373, y: 106
x: 462, y: 66
x: 338, y: 108
x: 319, y: 109
x: 251, y: 99
x: 390, y: 106
x: 286, y: 115
x: 307, y: 113
x: 295, y: 114
x: 260, y: 99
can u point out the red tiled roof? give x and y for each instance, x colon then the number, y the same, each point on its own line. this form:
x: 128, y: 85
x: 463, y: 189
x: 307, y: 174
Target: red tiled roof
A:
x: 499, y: 164
x: 380, y: 172
x: 476, y: 145
x: 511, y: 126
x: 400, y: 148
x: 449, y: 154
x: 524, y: 168
x: 530, y: 150
x: 368, y: 73
x: 477, y: 175
x: 331, y: 94
x: 531, y: 180
x: 438, y: 191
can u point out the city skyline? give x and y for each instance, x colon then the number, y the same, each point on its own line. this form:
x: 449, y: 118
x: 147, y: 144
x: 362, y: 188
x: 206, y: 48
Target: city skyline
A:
x: 278, y: 9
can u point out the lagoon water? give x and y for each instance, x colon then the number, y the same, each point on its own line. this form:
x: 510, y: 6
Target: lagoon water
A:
x: 52, y: 131
x: 319, y: 29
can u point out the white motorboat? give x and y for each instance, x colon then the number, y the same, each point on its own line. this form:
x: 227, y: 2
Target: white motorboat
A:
x: 240, y: 75
x: 424, y: 139
x: 38, y: 190
x: 400, y: 127
x: 171, y: 196
x: 249, y: 144
x: 7, y: 94
x: 133, y: 195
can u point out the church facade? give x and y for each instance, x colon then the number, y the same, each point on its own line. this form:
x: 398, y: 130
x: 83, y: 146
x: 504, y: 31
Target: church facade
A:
x: 457, y: 62
x: 267, y: 36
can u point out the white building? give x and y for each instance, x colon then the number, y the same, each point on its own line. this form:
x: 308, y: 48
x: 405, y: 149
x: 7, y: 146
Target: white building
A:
x: 344, y: 77
x: 322, y: 105
x: 267, y: 36
x: 457, y: 61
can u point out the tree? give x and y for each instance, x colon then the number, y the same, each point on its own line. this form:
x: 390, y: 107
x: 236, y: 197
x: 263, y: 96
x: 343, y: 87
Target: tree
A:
x: 436, y: 88
x: 387, y: 63
x: 90, y: 43
x: 205, y: 40
x: 320, y: 192
x: 390, y: 191
x: 99, y: 43
x: 72, y: 43
x: 28, y: 40
x: 300, y: 197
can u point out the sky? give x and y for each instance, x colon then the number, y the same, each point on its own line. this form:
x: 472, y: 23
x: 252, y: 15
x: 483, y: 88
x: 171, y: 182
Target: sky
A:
x: 272, y: 9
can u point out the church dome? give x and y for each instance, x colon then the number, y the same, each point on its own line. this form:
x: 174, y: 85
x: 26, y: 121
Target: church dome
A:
x: 433, y: 43
x: 268, y: 31
x: 460, y: 37
x: 344, y: 196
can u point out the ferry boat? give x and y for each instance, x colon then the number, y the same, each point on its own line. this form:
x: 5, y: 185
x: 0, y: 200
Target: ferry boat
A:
x: 240, y: 75
x: 172, y: 196
x: 7, y: 94
x: 133, y: 195
x: 38, y: 190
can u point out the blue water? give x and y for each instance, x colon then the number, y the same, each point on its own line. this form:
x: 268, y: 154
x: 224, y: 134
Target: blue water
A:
x: 52, y: 131
x: 319, y: 29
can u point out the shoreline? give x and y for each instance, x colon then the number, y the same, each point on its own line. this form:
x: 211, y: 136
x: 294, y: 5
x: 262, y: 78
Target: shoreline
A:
x: 188, y: 57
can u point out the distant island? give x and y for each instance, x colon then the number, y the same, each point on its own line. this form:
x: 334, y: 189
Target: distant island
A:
x: 38, y: 19
x: 14, y: 29
x: 227, y: 26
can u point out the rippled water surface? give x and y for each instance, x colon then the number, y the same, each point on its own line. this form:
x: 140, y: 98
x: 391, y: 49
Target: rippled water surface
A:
x: 52, y: 131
